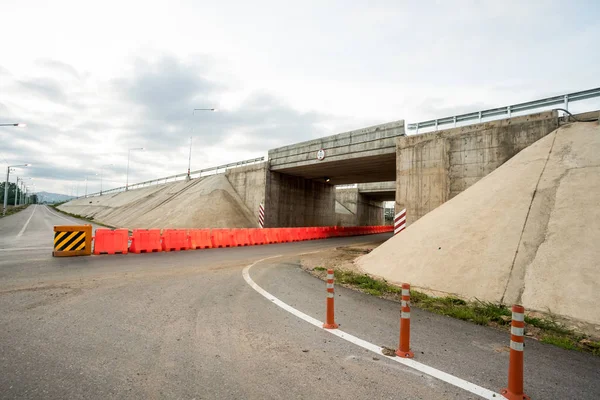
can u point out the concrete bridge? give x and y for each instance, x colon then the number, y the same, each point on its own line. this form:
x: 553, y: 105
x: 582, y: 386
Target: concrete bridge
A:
x: 297, y: 184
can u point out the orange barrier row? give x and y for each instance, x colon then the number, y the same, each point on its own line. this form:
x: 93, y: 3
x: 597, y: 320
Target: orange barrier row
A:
x: 115, y: 241
x: 145, y: 241
x: 175, y: 239
x: 107, y: 241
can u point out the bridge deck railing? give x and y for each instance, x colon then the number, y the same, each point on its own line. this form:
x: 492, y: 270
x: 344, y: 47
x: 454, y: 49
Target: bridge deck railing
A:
x: 563, y: 99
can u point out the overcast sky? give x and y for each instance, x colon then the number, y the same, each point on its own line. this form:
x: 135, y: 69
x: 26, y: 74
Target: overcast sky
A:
x: 92, y: 79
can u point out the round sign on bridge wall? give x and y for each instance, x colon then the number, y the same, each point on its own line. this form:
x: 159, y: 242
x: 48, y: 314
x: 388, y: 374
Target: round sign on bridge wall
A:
x: 320, y: 154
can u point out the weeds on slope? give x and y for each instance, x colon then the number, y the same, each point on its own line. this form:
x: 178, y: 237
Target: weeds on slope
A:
x: 10, y: 210
x: 546, y: 330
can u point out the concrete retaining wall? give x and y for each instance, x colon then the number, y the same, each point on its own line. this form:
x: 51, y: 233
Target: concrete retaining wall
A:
x: 294, y: 201
x: 434, y: 167
x: 249, y: 183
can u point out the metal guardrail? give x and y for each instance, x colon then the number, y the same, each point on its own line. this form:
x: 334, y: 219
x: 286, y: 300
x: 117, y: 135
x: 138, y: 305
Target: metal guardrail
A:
x: 563, y: 99
x: 174, y: 178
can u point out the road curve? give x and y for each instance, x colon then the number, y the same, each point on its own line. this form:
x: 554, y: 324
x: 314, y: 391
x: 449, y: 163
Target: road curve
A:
x: 186, y: 325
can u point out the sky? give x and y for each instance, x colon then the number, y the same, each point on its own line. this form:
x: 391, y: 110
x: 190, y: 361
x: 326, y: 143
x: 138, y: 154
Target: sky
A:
x: 94, y: 79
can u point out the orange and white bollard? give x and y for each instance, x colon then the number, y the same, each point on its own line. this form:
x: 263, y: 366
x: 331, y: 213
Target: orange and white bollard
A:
x: 404, y: 347
x: 330, y: 322
x: 514, y: 391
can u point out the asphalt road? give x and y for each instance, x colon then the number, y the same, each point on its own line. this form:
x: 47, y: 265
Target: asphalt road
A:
x: 185, y: 325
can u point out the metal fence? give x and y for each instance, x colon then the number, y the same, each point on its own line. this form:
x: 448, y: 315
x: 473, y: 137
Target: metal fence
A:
x: 563, y: 99
x: 179, y: 177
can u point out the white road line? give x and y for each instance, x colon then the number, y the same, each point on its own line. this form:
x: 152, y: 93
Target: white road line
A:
x: 60, y: 216
x: 27, y: 223
x: 443, y: 376
x: 27, y: 248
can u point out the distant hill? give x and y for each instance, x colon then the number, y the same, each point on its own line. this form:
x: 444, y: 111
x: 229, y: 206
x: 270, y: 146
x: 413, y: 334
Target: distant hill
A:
x: 47, y: 197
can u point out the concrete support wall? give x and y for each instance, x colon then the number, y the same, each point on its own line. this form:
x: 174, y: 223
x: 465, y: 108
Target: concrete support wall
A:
x: 434, y: 167
x: 356, y: 209
x: 294, y: 201
x: 249, y: 182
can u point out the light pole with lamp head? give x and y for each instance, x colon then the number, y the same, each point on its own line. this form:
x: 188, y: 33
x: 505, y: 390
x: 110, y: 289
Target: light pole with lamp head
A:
x: 17, y: 191
x: 102, y: 174
x: 190, y: 157
x: 128, y: 155
x: 86, y: 180
x: 6, y: 184
x: 17, y: 125
x: 23, y: 184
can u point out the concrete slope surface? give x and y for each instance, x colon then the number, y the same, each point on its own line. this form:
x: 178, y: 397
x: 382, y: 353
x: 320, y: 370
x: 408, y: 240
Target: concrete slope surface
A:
x: 526, y: 233
x: 209, y: 202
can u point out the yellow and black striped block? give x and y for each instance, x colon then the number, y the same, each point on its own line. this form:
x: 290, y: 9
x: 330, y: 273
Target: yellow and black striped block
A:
x: 72, y: 241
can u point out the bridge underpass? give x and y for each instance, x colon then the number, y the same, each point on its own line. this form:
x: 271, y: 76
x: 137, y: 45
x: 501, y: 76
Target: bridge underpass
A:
x: 363, y: 204
x: 300, y: 182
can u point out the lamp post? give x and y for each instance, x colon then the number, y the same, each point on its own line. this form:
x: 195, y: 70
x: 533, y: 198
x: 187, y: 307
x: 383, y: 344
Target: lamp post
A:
x: 6, y: 184
x: 190, y: 157
x: 86, y: 180
x: 17, y: 125
x: 23, y: 184
x: 17, y: 191
x: 128, y: 156
x: 102, y: 174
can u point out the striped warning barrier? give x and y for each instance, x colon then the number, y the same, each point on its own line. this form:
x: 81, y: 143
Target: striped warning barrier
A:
x: 72, y: 241
x: 400, y: 222
x: 330, y: 322
x: 261, y: 215
x: 404, y: 345
x: 514, y: 390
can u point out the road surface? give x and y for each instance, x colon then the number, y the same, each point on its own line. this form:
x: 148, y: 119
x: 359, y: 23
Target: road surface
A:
x: 186, y: 325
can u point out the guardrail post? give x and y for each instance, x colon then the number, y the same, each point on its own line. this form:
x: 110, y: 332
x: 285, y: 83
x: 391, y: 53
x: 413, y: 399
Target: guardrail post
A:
x: 454, y: 119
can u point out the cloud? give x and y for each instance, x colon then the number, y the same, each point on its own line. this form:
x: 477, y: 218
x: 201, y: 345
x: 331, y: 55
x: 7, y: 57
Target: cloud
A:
x: 149, y: 106
x: 48, y: 88
x: 58, y: 66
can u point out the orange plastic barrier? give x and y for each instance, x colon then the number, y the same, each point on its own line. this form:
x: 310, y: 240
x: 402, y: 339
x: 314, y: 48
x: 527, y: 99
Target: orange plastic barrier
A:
x: 272, y: 235
x: 199, y: 239
x: 256, y: 236
x: 107, y: 241
x: 145, y: 241
x: 175, y: 239
x: 240, y: 237
x: 221, y: 238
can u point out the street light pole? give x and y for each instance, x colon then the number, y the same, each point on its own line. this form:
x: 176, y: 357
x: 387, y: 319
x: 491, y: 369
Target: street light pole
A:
x: 102, y: 174
x: 190, y: 157
x: 17, y: 190
x: 17, y: 125
x: 128, y: 156
x: 6, y: 185
x: 86, y: 181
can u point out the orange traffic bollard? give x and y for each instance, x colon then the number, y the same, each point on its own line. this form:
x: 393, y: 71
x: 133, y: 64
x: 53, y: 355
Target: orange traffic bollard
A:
x: 330, y: 323
x: 404, y: 346
x: 514, y: 391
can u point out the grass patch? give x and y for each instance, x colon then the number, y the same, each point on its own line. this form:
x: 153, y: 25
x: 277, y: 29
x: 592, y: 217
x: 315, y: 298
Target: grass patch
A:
x: 548, y: 325
x: 547, y: 330
x: 319, y: 269
x: 372, y: 286
x: 10, y: 210
x: 560, y: 341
